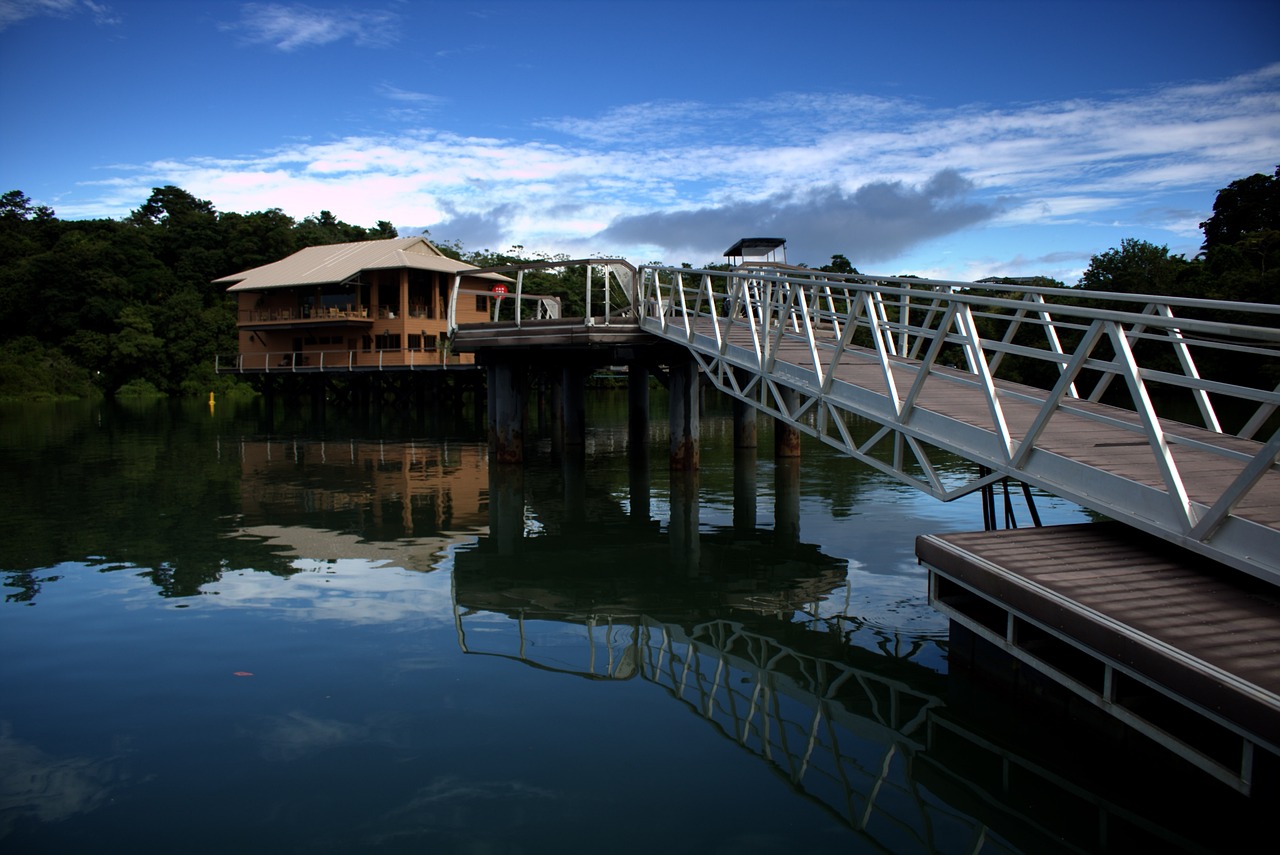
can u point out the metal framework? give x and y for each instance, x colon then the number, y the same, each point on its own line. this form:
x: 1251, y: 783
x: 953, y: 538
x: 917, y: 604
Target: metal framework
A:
x: 893, y: 370
x: 837, y: 733
x: 615, y: 289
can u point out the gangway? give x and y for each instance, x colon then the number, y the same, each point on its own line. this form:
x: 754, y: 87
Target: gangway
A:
x: 891, y: 370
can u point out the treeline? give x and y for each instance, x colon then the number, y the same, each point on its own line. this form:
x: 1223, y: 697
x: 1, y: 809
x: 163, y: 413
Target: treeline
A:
x: 128, y: 305
x: 99, y: 305
x: 1239, y: 261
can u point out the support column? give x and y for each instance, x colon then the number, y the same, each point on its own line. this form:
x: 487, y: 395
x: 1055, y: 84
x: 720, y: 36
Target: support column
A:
x: 506, y: 507
x: 745, y: 430
x: 573, y: 466
x: 684, y: 416
x: 555, y: 410
x: 637, y: 404
x: 744, y: 490
x: 638, y: 482
x: 786, y: 503
x: 683, y: 526
x: 316, y: 391
x: 506, y: 412
x: 786, y: 439
x: 575, y: 406
x: 269, y: 394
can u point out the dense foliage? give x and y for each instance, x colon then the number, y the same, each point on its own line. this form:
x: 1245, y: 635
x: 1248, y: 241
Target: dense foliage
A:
x: 103, y: 305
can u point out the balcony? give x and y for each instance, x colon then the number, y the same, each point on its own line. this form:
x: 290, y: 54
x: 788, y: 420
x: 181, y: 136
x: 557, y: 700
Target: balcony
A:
x: 277, y: 318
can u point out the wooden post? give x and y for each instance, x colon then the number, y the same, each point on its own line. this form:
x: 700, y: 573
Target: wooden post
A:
x: 684, y: 416
x: 506, y: 413
x: 786, y: 504
x: 637, y: 405
x: 744, y: 490
x: 786, y: 439
x: 506, y: 507
x: 575, y: 406
x: 744, y: 419
x: 683, y: 527
x: 638, y: 482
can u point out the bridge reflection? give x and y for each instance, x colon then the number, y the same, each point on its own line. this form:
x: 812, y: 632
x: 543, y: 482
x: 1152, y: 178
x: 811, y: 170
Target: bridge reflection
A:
x: 848, y: 713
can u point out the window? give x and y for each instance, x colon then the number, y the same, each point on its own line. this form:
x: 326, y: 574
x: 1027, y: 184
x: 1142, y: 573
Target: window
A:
x: 415, y: 342
x: 482, y: 305
x: 387, y: 341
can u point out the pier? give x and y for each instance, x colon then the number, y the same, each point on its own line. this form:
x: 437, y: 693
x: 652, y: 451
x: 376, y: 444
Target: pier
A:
x: 1058, y: 389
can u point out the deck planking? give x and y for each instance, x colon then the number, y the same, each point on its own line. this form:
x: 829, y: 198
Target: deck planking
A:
x: 1198, y: 629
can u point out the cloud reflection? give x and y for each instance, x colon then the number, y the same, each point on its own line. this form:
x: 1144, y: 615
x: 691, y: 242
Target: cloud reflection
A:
x: 370, y: 583
x: 296, y: 735
x: 39, y: 786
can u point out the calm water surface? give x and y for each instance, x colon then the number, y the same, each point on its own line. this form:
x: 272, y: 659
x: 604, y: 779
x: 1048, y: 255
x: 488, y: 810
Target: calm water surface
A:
x: 228, y: 633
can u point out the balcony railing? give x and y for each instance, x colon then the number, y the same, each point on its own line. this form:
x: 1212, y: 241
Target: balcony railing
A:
x: 334, y: 360
x: 306, y: 313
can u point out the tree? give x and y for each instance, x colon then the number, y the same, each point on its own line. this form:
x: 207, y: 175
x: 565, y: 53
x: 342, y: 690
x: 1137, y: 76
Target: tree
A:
x: 133, y: 299
x: 839, y: 264
x: 16, y: 205
x: 1248, y: 205
x: 1137, y: 267
x: 172, y: 203
x: 1242, y: 241
x: 136, y: 351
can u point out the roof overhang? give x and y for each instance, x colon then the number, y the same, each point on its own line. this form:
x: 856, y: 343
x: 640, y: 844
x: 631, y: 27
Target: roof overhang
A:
x: 754, y: 247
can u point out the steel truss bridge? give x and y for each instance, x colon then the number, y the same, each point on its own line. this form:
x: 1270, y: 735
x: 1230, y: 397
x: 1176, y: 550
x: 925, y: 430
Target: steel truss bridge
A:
x: 1070, y: 391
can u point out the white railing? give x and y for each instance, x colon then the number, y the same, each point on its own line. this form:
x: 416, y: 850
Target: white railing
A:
x: 821, y: 351
x: 609, y: 286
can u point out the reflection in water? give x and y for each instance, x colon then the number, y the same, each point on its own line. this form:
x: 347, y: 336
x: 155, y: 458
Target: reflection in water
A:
x: 327, y: 643
x: 870, y: 739
x: 36, y: 785
x: 388, y: 490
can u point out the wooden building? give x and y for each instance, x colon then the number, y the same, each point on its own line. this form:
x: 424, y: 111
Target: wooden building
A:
x: 364, y: 305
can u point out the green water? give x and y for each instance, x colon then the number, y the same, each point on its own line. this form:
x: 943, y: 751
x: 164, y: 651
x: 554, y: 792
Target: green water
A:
x: 227, y: 632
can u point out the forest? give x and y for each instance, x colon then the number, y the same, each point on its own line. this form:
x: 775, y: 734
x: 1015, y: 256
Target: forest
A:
x: 127, y: 307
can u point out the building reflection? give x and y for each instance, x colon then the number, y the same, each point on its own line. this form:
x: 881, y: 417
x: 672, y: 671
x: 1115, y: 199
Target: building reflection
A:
x: 381, y: 490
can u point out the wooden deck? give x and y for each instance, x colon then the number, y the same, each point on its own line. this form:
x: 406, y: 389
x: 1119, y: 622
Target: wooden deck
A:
x: 1131, y: 624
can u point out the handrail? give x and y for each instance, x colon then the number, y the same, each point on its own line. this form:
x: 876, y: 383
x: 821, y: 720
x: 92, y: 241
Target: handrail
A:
x: 1029, y: 355
x: 621, y: 271
x: 312, y: 361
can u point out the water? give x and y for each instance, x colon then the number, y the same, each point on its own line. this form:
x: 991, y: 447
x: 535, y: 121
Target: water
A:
x: 223, y: 632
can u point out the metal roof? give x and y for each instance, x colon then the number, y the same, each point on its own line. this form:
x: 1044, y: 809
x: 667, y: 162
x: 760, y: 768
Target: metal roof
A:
x: 752, y: 246
x: 336, y: 263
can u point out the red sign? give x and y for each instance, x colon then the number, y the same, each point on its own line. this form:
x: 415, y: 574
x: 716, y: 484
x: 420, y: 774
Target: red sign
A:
x: 499, y: 288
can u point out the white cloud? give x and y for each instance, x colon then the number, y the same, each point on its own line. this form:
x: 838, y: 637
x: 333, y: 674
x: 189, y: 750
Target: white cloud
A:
x: 701, y: 170
x: 13, y: 11
x: 289, y: 27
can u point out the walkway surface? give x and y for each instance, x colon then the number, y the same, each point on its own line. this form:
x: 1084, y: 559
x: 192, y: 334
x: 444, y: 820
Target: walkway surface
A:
x: 1097, y: 455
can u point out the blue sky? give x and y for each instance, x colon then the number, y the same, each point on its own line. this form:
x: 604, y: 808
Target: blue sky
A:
x: 955, y: 139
